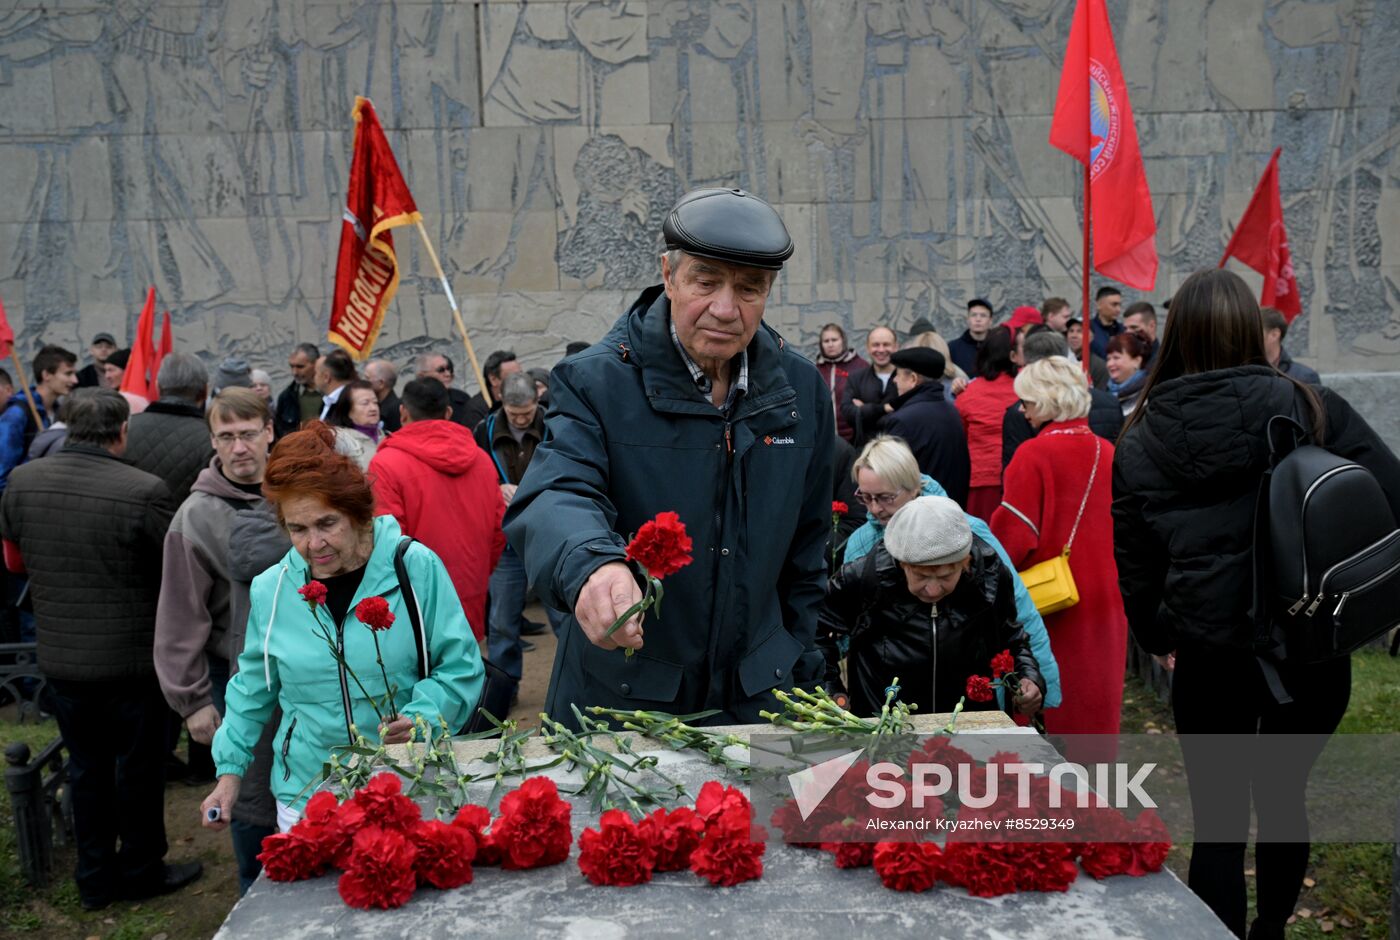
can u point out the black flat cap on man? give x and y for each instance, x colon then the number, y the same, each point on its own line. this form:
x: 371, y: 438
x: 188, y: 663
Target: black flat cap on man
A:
x: 728, y: 225
x: 921, y: 360
x: 920, y: 327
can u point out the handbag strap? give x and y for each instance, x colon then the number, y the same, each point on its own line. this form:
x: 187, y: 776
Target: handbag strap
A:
x: 1093, y: 472
x: 415, y: 616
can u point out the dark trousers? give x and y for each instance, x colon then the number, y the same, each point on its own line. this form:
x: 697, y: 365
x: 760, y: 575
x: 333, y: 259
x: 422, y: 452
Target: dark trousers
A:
x: 1222, y: 692
x: 115, y: 733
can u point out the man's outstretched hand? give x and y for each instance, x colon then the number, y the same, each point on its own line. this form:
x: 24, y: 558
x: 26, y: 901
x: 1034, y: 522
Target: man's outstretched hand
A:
x: 606, y: 595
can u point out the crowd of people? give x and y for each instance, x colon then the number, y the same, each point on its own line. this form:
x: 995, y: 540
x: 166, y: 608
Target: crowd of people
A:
x: 238, y: 557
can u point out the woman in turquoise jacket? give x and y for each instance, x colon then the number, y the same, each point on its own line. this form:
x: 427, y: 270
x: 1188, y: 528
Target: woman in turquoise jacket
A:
x: 327, y: 507
x: 887, y: 477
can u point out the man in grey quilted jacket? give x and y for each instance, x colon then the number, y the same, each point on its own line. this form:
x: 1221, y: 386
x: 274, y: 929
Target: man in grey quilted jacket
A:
x: 169, y: 438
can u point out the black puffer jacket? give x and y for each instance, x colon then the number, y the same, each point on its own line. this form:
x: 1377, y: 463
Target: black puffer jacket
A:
x: 171, y: 440
x: 895, y: 635
x: 1185, y: 477
x: 90, y: 530
x: 1105, y: 420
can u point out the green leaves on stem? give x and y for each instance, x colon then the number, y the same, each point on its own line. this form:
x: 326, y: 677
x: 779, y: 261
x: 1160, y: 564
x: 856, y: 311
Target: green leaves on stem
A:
x: 650, y: 599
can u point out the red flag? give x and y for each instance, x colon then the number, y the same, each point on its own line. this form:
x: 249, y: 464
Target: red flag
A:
x: 167, y: 345
x: 1094, y: 124
x: 137, y: 379
x: 7, y: 335
x: 1261, y: 242
x: 367, y: 271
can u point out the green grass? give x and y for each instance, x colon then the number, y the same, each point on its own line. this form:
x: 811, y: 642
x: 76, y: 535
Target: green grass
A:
x: 1351, y: 882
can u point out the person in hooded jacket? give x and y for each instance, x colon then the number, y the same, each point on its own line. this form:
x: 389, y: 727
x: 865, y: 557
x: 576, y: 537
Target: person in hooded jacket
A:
x: 1185, y: 478
x: 929, y: 423
x: 442, y: 491
x: 836, y: 361
x: 327, y: 507
x: 931, y: 605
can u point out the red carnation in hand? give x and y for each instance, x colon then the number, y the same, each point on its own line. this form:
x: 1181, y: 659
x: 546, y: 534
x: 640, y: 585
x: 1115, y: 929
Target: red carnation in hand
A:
x: 475, y: 819
x: 313, y: 592
x: 907, y: 866
x: 374, y: 613
x: 674, y: 836
x: 616, y: 853
x: 661, y: 545
x: 291, y: 856
x: 1002, y: 663
x: 381, y: 869
x: 979, y: 688
x: 533, y: 828
x: 727, y: 856
x: 385, y: 805
x: 444, y: 854
x: 839, y: 508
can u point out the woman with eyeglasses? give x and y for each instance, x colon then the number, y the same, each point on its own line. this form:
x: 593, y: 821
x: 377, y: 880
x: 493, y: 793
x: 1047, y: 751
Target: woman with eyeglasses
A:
x: 887, y: 478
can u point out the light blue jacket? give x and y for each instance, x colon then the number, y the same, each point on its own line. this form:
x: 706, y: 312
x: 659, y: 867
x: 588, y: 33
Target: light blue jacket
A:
x: 862, y: 540
x: 284, y: 662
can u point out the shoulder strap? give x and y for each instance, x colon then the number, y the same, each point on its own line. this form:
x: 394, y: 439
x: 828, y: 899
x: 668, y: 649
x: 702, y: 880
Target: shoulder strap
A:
x: 415, y: 616
x: 1093, y: 472
x: 1268, y: 648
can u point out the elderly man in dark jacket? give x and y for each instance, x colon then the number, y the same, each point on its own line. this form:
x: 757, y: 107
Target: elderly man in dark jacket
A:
x: 170, y: 438
x: 88, y: 529
x: 690, y: 404
x: 927, y: 421
x: 1105, y: 414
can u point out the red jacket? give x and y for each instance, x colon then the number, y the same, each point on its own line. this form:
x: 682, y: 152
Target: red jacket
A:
x: 442, y: 489
x: 1045, y: 485
x: 983, y: 405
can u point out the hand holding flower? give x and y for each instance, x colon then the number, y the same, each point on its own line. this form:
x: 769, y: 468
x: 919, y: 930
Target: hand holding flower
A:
x: 662, y: 548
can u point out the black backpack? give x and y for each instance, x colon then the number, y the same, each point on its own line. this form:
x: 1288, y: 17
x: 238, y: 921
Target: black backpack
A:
x: 1326, y: 551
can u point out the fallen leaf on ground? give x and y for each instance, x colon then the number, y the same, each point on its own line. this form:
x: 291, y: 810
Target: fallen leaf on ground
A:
x: 1304, y: 913
x: 1326, y: 926
x: 1309, y: 883
x: 1249, y: 872
x: 161, y: 936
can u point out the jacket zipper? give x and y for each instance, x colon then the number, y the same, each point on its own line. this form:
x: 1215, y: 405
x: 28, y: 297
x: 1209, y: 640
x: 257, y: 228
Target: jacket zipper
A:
x: 286, y: 748
x: 933, y: 693
x: 344, y: 684
x: 1359, y: 589
x: 1293, y: 611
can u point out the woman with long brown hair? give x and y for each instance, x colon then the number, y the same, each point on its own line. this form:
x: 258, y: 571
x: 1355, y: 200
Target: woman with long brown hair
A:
x: 1185, y: 479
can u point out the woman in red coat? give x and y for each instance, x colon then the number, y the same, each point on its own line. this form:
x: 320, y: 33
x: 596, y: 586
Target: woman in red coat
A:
x: 1040, y: 515
x: 983, y: 406
x: 836, y: 362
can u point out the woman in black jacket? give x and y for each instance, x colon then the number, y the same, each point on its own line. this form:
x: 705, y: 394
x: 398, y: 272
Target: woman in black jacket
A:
x: 930, y: 605
x: 1185, y: 478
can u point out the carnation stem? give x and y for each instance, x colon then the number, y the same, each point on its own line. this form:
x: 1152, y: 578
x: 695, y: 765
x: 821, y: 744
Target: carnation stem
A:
x: 388, y: 692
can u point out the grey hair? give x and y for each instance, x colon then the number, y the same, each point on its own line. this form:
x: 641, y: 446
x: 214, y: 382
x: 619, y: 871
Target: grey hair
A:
x: 183, y: 376
x: 382, y: 370
x: 260, y: 376
x: 95, y: 416
x: 674, y: 257
x: 518, y: 390
x: 1038, y: 346
x: 420, y: 363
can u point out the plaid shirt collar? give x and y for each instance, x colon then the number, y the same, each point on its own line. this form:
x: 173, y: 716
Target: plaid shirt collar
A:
x: 740, y: 386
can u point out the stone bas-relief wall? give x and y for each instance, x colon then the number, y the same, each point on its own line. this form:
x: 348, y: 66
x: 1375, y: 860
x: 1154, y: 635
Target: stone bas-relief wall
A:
x: 202, y: 146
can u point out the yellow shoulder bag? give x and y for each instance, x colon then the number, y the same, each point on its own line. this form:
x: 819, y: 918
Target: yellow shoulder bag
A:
x: 1051, y: 583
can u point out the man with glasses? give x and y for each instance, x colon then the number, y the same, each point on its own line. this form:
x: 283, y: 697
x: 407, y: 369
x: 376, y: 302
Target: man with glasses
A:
x: 221, y: 536
x: 439, y: 368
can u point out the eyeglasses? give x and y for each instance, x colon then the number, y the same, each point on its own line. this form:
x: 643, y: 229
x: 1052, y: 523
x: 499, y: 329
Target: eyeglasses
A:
x: 248, y: 437
x: 883, y: 499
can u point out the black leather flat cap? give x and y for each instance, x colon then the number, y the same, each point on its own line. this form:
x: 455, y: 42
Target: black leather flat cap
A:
x: 728, y: 225
x: 920, y: 359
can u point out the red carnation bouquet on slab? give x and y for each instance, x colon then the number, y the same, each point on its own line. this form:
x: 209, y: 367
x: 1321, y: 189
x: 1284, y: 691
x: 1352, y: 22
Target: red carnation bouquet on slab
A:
x: 662, y: 548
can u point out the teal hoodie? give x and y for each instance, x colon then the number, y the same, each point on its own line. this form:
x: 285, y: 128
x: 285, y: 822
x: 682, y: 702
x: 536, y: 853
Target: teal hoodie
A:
x: 862, y: 540
x: 285, y: 663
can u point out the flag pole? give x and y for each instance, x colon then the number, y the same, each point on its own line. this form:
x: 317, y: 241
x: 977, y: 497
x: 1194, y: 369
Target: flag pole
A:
x: 28, y: 395
x: 456, y: 315
x: 1086, y: 345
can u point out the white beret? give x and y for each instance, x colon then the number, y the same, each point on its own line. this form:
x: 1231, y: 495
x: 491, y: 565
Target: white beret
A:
x: 930, y: 530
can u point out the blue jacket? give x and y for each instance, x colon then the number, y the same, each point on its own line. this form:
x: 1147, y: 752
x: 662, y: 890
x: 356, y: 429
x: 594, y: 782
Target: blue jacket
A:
x: 14, y: 439
x: 630, y: 435
x: 864, y: 539
x: 284, y: 662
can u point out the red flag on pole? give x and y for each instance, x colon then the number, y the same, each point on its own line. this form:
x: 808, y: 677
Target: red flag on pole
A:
x: 1094, y: 124
x: 7, y: 335
x: 367, y: 271
x: 1261, y: 242
x: 137, y: 379
x: 167, y: 345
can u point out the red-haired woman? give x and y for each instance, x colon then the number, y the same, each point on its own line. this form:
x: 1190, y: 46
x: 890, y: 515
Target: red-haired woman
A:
x: 327, y: 507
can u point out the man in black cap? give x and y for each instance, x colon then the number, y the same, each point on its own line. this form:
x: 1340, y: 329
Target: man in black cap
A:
x: 90, y: 375
x: 690, y: 405
x: 927, y: 421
